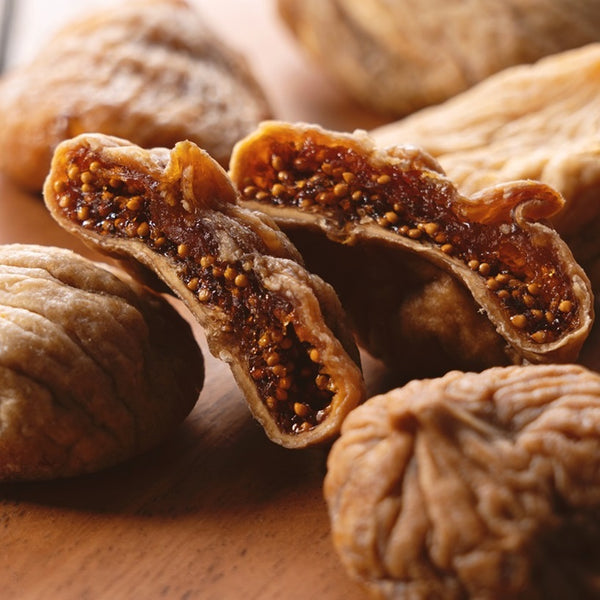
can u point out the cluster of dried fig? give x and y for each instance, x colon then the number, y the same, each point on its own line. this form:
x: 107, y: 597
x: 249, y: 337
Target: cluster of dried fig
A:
x: 149, y: 71
x: 94, y: 369
x: 479, y: 484
x: 472, y: 485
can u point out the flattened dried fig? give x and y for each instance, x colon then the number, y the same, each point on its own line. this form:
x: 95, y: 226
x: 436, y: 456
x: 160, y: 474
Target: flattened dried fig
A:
x: 530, y: 122
x: 432, y: 279
x: 149, y: 71
x: 93, y: 370
x: 281, y: 329
x: 473, y: 486
x: 398, y: 56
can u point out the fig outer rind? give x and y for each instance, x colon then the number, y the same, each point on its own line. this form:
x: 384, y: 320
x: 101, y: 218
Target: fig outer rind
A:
x: 95, y: 368
x: 397, y: 57
x: 472, y: 485
x: 152, y: 72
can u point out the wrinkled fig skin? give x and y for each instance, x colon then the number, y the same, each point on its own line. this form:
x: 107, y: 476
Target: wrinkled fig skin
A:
x: 151, y: 72
x: 93, y: 369
x: 281, y: 329
x: 539, y: 121
x: 398, y: 56
x: 472, y: 485
x: 433, y: 280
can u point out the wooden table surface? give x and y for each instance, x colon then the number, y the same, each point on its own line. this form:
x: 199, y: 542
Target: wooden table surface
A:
x: 217, y: 512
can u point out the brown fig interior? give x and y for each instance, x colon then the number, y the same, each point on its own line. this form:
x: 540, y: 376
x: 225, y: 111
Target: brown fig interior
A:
x: 110, y: 200
x: 418, y: 204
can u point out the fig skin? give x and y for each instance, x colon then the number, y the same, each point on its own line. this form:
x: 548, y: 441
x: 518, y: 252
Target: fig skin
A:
x: 95, y: 368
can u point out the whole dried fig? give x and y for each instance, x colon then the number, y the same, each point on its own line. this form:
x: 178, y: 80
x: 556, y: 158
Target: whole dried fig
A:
x: 93, y: 369
x: 149, y: 71
x: 396, y: 56
x: 432, y: 279
x: 473, y: 486
x: 281, y: 329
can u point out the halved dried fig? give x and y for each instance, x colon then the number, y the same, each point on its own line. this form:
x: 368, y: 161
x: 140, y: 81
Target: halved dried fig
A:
x: 151, y: 71
x: 281, y: 329
x: 93, y: 368
x: 473, y: 486
x: 432, y: 279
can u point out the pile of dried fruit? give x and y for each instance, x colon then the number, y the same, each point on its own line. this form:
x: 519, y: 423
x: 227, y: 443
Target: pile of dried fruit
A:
x: 479, y: 484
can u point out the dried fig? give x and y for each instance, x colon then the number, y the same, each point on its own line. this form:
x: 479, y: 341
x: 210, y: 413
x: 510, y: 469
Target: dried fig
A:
x: 432, y: 279
x: 529, y: 122
x: 149, y: 71
x: 94, y: 369
x: 473, y: 486
x: 399, y: 56
x: 281, y: 329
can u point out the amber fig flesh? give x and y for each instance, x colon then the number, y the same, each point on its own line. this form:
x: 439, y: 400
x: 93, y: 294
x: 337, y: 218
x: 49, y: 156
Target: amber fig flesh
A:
x: 281, y: 329
x: 432, y: 279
